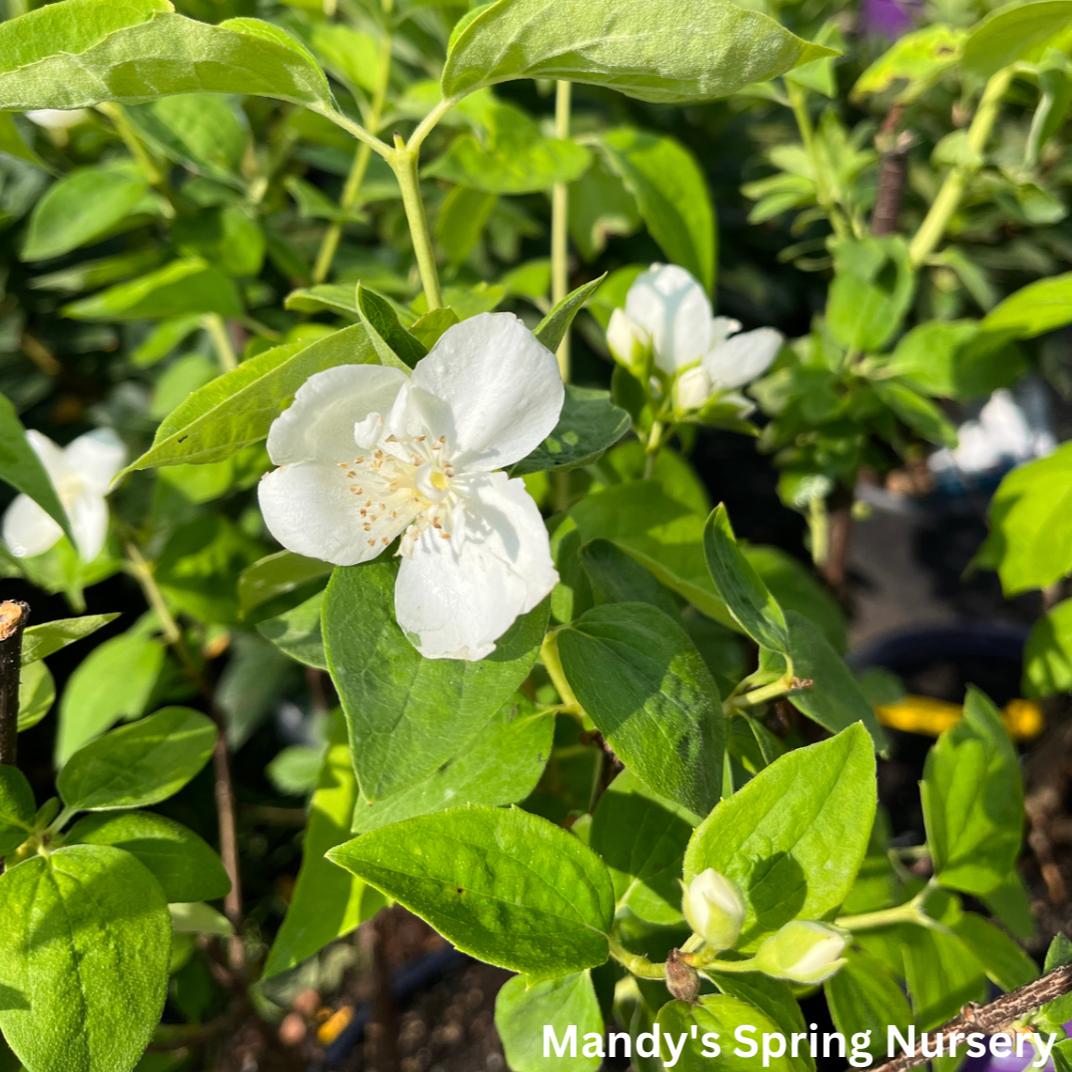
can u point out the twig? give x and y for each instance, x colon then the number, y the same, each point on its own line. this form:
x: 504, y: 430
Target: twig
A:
x: 988, y: 1019
x: 892, y: 169
x: 13, y: 618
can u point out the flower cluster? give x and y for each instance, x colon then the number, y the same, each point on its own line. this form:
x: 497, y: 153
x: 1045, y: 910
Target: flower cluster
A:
x: 367, y: 454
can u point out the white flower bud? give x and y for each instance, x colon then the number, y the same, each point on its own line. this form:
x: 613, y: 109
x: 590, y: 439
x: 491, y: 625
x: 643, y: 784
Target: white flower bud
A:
x: 58, y: 118
x: 802, y: 952
x: 714, y: 908
x: 630, y: 344
x: 691, y: 389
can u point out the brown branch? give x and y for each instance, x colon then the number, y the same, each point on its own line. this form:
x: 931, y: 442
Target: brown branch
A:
x: 999, y: 1014
x: 13, y: 618
x: 892, y: 171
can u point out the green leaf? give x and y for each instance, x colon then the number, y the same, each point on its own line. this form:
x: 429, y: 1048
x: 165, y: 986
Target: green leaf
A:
x: 641, y: 837
x: 82, y: 207
x: 462, y: 219
x: 196, y: 917
x: 973, y: 800
x: 184, y: 865
x: 327, y: 902
x: 930, y: 356
x: 12, y: 143
x: 451, y: 869
x: 516, y: 159
x: 238, y: 408
x: 589, y: 425
x: 615, y: 577
x: 277, y: 575
x: 1030, y: 540
x: 793, y: 838
x: 22, y: 469
x: 524, y: 1010
x: 916, y: 59
x: 642, y: 682
x: 501, y: 764
x: 699, y: 50
x: 941, y: 974
x: 1048, y: 654
x: 834, y: 698
x: 198, y: 130
x: 183, y: 287
x: 1004, y: 962
x: 920, y: 414
x: 115, y: 681
x: 600, y: 206
x: 1058, y: 1011
x: 720, y: 1015
x: 746, y: 597
x: 298, y: 632
x: 82, y: 55
x: 17, y: 809
x: 353, y: 56
x: 866, y: 996
x: 403, y: 351
x: 873, y: 286
x: 552, y: 329
x: 40, y: 641
x: 427, y: 329
x: 1042, y: 306
x: 1013, y: 33
x: 84, y: 958
x: 139, y: 764
x: 671, y: 194
x: 407, y: 715
x: 37, y: 694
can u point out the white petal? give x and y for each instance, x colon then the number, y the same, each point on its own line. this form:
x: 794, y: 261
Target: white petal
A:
x: 741, y: 359
x: 96, y: 457
x: 458, y: 603
x: 722, y: 327
x: 674, y: 308
x: 319, y: 425
x: 499, y: 390
x: 57, y: 118
x: 89, y: 522
x: 626, y: 338
x: 691, y: 389
x: 310, y: 509
x: 52, y: 456
x: 28, y: 530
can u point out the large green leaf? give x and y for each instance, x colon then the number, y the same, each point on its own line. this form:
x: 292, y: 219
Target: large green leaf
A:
x: 1042, y: 306
x: 22, y: 469
x: 408, y: 715
x: 184, y: 865
x: 1005, y: 963
x: 238, y: 408
x: 37, y: 694
x: 84, y: 956
x: 452, y: 869
x: 866, y: 996
x: 973, y: 800
x: 1030, y: 540
x: 522, y: 1012
x: 872, y: 290
x: 299, y: 632
x: 590, y: 424
x: 1015, y: 32
x: 83, y: 206
x: 327, y: 902
x: 17, y: 809
x: 1048, y: 653
x: 641, y: 837
x: 82, y: 54
x: 671, y: 193
x: 746, y: 596
x: 115, y: 681
x: 186, y: 286
x: 500, y: 765
x: 277, y: 575
x: 198, y: 130
x: 642, y: 682
x: 40, y: 641
x: 139, y: 764
x: 689, y: 50
x: 793, y: 837
x: 12, y: 143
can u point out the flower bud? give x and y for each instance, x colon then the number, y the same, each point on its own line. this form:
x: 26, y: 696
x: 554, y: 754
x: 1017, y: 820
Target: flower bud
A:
x: 692, y: 389
x: 714, y: 907
x: 682, y: 980
x: 57, y: 118
x: 629, y: 343
x: 802, y: 952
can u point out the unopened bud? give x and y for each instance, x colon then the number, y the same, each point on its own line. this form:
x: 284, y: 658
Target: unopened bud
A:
x: 629, y: 344
x: 715, y: 909
x: 691, y: 389
x: 802, y: 952
x: 681, y: 979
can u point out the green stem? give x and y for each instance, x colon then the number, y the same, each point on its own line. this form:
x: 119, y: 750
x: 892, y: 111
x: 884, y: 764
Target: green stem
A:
x: 640, y: 966
x: 61, y: 820
x: 560, y: 226
x: 221, y: 340
x: 358, y: 169
x: 125, y: 129
x: 819, y: 523
x: 798, y: 101
x: 773, y: 691
x: 651, y: 448
x: 909, y: 912
x: 553, y: 665
x: 428, y: 123
x: 950, y: 195
x: 356, y: 130
x: 404, y: 163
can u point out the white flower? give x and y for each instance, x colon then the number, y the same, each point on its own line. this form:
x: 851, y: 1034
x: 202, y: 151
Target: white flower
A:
x: 802, y: 952
x: 81, y: 472
x: 667, y: 309
x: 58, y: 118
x: 714, y: 908
x: 367, y: 454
